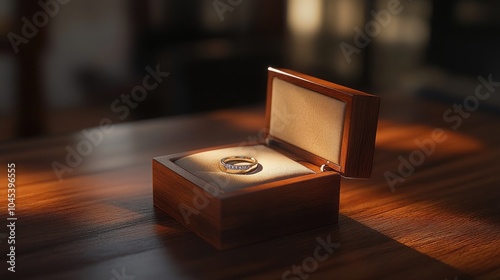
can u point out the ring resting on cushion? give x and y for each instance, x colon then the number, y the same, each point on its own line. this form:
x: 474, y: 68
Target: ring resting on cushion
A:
x: 238, y: 164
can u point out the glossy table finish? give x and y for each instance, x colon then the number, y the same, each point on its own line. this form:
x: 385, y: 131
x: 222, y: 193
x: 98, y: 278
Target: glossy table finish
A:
x: 98, y: 222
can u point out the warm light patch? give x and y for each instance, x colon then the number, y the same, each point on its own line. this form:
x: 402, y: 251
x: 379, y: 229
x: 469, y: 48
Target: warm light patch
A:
x: 344, y: 15
x: 80, y: 191
x: 305, y: 16
x: 241, y: 119
x: 431, y: 230
x: 403, y: 137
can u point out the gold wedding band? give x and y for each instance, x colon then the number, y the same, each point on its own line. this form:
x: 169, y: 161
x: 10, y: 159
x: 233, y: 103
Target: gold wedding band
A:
x: 238, y: 164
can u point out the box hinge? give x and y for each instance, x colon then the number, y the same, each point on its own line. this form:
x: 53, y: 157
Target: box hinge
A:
x: 325, y: 167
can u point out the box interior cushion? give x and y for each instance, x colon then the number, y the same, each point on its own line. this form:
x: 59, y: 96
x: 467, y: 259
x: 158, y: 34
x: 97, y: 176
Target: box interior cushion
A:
x: 306, y: 119
x: 273, y: 167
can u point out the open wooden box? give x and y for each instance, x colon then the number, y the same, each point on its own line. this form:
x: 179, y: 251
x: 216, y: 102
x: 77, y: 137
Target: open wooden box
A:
x: 317, y: 131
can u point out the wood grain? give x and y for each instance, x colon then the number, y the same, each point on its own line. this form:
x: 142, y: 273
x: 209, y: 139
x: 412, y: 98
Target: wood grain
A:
x: 442, y: 222
x: 241, y: 217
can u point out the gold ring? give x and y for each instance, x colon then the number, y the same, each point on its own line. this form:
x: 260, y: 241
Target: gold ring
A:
x: 238, y: 164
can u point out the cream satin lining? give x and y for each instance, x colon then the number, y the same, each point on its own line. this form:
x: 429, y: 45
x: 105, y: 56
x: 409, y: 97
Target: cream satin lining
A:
x: 273, y: 166
x: 307, y: 119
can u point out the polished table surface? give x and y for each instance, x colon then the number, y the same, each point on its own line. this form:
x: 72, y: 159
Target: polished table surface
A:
x: 441, y: 220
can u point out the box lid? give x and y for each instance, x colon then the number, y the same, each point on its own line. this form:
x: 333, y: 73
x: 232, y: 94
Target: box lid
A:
x: 322, y: 122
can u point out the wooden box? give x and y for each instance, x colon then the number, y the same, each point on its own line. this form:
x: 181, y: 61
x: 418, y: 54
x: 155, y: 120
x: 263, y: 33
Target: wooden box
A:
x: 317, y: 131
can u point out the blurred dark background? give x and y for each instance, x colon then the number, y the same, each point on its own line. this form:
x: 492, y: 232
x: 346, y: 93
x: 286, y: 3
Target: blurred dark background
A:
x: 76, y: 58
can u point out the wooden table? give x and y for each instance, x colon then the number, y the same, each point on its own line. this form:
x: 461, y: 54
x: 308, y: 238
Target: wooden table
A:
x: 98, y: 222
